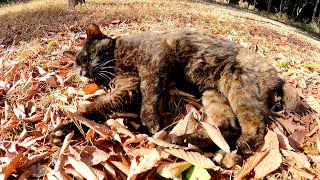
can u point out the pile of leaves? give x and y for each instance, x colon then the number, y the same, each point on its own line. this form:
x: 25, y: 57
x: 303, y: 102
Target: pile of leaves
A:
x: 39, y: 90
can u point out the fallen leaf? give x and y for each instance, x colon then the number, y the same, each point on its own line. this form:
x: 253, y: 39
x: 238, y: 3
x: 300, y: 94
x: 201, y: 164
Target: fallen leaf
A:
x: 148, y: 161
x: 300, y: 160
x: 216, y: 136
x: 91, y: 155
x: 268, y: 164
x: 91, y: 88
x: 283, y: 139
x: 99, y: 128
x: 185, y: 126
x: 172, y: 170
x: 109, y: 169
x: 34, y: 159
x: 250, y: 164
x: 136, y: 139
x: 119, y: 128
x: 82, y: 168
x: 289, y: 125
x: 194, y: 158
x: 272, y: 160
x: 12, y: 165
x: 163, y: 143
x: 301, y: 173
x: 195, y: 173
x: 313, y: 103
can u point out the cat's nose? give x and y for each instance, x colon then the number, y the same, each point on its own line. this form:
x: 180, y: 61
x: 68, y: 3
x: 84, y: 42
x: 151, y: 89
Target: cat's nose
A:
x: 84, y: 71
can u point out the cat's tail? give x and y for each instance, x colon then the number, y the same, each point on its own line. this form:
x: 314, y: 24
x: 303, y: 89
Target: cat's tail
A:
x: 292, y: 101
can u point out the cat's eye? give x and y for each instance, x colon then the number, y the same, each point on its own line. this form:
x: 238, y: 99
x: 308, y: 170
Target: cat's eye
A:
x: 92, y: 56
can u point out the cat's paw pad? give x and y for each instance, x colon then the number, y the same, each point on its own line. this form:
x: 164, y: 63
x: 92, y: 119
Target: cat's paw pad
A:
x: 59, y: 133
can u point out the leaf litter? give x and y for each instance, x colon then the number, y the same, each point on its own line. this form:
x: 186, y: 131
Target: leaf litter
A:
x: 38, y: 87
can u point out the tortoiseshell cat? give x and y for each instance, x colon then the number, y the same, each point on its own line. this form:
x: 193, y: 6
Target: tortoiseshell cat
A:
x: 237, y: 86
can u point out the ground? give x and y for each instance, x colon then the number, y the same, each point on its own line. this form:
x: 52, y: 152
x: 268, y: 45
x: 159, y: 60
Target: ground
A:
x: 38, y: 90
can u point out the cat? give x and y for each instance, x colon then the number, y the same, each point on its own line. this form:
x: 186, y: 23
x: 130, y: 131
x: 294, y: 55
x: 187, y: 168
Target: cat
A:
x: 237, y: 85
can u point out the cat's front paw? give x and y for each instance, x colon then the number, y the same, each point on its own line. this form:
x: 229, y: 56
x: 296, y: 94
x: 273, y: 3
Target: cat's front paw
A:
x: 247, y: 144
x: 152, y: 123
x: 227, y: 160
x: 59, y: 133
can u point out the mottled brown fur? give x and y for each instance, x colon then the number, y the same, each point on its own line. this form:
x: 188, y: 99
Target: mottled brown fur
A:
x: 237, y: 85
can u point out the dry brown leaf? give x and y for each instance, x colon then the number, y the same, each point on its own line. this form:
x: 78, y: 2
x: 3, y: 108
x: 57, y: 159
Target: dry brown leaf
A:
x: 26, y: 175
x: 82, y: 168
x: 99, y: 128
x: 109, y: 169
x: 289, y: 125
x: 34, y: 159
x: 216, y: 136
x: 30, y: 82
x: 284, y: 142
x: 29, y: 142
x: 300, y: 173
x: 185, y: 126
x: 119, y: 128
x: 60, y: 163
x: 136, y: 139
x: 133, y: 166
x: 41, y: 70
x: 250, y: 164
x: 23, y: 135
x: 60, y: 175
x: 194, y: 158
x: 33, y: 119
x: 123, y: 167
x: 19, y: 112
x: 297, y: 139
x: 100, y: 174
x: 30, y: 92
x: 172, y: 170
x: 268, y: 164
x: 314, y: 104
x: 139, y: 152
x: 66, y: 143
x: 11, y: 72
x: 73, y: 172
x: 162, y: 134
x: 50, y: 79
x: 12, y: 165
x: 90, y: 155
x: 300, y: 160
x: 272, y: 160
x: 148, y: 161
x: 163, y: 143
x: 270, y: 141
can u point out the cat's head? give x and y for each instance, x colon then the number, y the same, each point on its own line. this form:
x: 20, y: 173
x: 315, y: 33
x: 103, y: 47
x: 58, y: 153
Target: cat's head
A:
x: 95, y: 60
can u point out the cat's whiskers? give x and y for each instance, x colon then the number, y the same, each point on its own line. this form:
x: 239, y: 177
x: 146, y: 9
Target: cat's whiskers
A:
x: 105, y: 76
x: 108, y: 72
x: 103, y: 65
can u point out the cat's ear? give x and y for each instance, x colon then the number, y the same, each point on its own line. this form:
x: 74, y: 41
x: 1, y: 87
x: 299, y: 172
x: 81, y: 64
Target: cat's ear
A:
x: 93, y: 32
x: 70, y: 54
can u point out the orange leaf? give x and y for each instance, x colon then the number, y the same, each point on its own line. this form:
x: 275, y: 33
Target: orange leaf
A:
x: 13, y: 164
x: 91, y: 88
